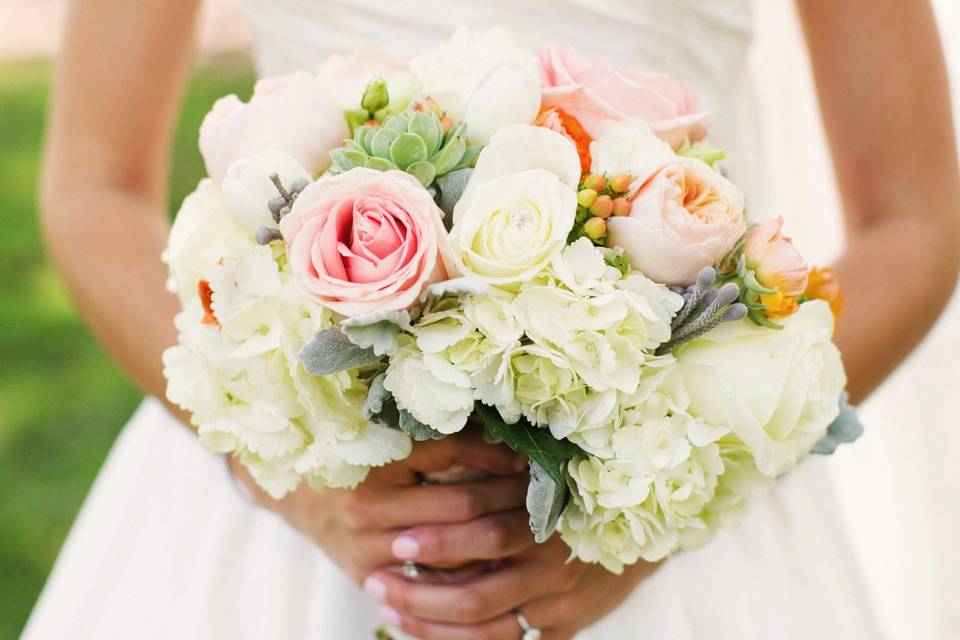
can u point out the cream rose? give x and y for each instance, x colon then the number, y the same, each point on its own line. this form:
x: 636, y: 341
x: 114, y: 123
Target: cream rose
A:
x: 685, y: 217
x: 518, y: 208
x: 292, y: 114
x: 777, y: 391
x: 483, y: 79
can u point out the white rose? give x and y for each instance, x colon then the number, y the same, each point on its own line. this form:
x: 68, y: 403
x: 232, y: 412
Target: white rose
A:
x: 202, y: 233
x: 430, y: 388
x: 777, y: 391
x: 482, y: 79
x: 247, y: 187
x: 629, y: 146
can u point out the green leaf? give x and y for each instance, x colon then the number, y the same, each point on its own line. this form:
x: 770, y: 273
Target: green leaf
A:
x: 469, y: 159
x: 546, y: 499
x: 355, y: 119
x: 427, y: 126
x: 451, y: 186
x: 416, y: 429
x: 380, y: 164
x: 398, y: 123
x: 704, y: 152
x: 407, y: 149
x: 422, y: 171
x: 537, y: 443
x: 381, y: 141
x: 450, y: 155
x: 331, y: 351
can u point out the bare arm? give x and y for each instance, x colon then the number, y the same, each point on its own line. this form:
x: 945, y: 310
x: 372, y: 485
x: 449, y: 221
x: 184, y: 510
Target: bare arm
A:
x: 117, y: 89
x: 884, y: 96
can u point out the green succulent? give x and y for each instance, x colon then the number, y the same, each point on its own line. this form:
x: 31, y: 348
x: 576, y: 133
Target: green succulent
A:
x: 413, y: 141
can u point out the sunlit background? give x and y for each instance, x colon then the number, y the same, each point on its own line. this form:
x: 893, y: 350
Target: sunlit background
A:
x: 62, y: 401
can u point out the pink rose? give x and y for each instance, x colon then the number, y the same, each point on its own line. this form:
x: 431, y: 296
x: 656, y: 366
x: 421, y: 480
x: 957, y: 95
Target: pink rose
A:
x: 365, y: 241
x: 292, y: 114
x: 595, y: 92
x: 776, y: 262
x: 686, y: 216
x: 347, y: 75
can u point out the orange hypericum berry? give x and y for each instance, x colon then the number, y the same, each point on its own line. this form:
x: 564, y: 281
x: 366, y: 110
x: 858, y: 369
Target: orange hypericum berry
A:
x: 206, y: 299
x: 621, y: 206
x: 602, y: 207
x: 430, y: 104
x: 595, y: 228
x: 594, y: 181
x: 556, y: 119
x: 620, y: 183
x: 586, y: 197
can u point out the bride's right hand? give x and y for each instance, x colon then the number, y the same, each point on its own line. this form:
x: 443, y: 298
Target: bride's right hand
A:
x: 357, y: 528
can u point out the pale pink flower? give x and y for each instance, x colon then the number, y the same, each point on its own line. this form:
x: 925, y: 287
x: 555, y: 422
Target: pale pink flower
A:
x: 365, y: 241
x: 775, y: 260
x: 685, y: 217
x: 595, y: 92
x: 291, y: 114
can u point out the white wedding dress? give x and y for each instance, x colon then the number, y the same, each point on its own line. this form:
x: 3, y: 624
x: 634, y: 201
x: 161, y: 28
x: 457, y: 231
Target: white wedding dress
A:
x: 166, y: 547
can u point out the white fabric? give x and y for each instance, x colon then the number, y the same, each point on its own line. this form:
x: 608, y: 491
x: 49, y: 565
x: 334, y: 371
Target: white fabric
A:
x: 844, y: 547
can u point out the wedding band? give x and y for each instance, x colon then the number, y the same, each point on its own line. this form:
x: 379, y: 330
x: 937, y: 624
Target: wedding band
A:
x: 529, y: 632
x: 411, y: 570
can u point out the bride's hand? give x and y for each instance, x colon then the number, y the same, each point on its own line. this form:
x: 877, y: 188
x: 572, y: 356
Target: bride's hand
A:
x: 357, y: 529
x: 554, y: 595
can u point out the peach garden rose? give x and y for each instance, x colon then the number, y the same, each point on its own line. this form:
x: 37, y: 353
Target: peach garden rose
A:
x: 365, y: 241
x: 684, y: 217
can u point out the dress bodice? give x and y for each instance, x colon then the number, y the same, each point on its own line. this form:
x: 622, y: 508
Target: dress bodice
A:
x: 702, y: 43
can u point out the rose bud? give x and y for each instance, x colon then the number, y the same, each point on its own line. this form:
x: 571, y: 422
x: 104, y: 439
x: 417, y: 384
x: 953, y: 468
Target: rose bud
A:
x: 776, y: 262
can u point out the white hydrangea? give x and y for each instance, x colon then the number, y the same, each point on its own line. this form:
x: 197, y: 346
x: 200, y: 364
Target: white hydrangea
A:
x: 241, y: 378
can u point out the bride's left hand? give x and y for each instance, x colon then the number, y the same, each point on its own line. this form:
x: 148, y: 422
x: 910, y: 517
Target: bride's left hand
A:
x: 556, y: 596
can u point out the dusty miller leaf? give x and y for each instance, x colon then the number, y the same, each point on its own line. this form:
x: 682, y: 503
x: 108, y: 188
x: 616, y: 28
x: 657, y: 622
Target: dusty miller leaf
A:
x: 457, y: 287
x: 546, y: 499
x: 538, y: 444
x: 377, y: 330
x: 416, y: 429
x: 379, y: 405
x: 450, y: 187
x: 331, y: 351
x: 844, y: 429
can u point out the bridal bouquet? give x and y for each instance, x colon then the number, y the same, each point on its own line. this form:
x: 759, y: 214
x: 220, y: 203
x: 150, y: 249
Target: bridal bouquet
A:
x: 542, y: 242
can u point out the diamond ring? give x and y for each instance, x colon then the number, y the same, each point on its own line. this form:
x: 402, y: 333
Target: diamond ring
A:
x: 411, y: 570
x: 529, y: 633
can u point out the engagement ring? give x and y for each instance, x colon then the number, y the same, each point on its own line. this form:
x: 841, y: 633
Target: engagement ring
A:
x: 411, y: 570
x: 529, y: 633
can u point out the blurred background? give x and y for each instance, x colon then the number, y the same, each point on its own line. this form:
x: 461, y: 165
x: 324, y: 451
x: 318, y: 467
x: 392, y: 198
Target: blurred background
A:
x: 62, y: 402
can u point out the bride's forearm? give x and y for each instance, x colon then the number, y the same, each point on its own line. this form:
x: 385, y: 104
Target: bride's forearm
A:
x: 106, y: 243
x: 897, y: 275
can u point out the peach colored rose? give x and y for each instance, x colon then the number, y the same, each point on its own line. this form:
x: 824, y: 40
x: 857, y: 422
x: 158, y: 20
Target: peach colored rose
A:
x: 365, y: 241
x: 686, y: 216
x: 777, y: 264
x: 292, y: 114
x: 594, y: 92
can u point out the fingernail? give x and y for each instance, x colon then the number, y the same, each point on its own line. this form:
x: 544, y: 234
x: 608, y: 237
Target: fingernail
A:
x: 390, y: 616
x: 376, y: 589
x: 405, y: 548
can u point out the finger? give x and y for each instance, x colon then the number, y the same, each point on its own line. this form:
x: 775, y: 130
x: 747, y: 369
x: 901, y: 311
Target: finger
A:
x: 383, y: 508
x: 505, y: 627
x: 484, y: 538
x: 472, y: 602
x: 467, y: 448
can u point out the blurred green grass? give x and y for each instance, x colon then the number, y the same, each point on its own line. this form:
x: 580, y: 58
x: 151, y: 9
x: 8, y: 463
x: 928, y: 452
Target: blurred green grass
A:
x: 62, y: 401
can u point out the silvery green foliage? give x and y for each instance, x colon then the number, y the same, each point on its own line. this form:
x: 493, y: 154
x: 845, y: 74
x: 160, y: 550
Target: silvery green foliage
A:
x: 331, y: 351
x: 704, y: 307
x: 380, y: 407
x: 457, y: 287
x: 377, y: 330
x: 546, y: 499
x: 845, y: 429
x: 413, y: 141
x: 449, y: 188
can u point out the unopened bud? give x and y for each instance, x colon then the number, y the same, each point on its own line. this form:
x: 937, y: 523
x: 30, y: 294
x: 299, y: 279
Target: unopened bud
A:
x: 595, y: 181
x: 586, y: 197
x: 595, y: 228
x: 620, y: 183
x: 375, y: 96
x: 621, y: 206
x: 602, y: 207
